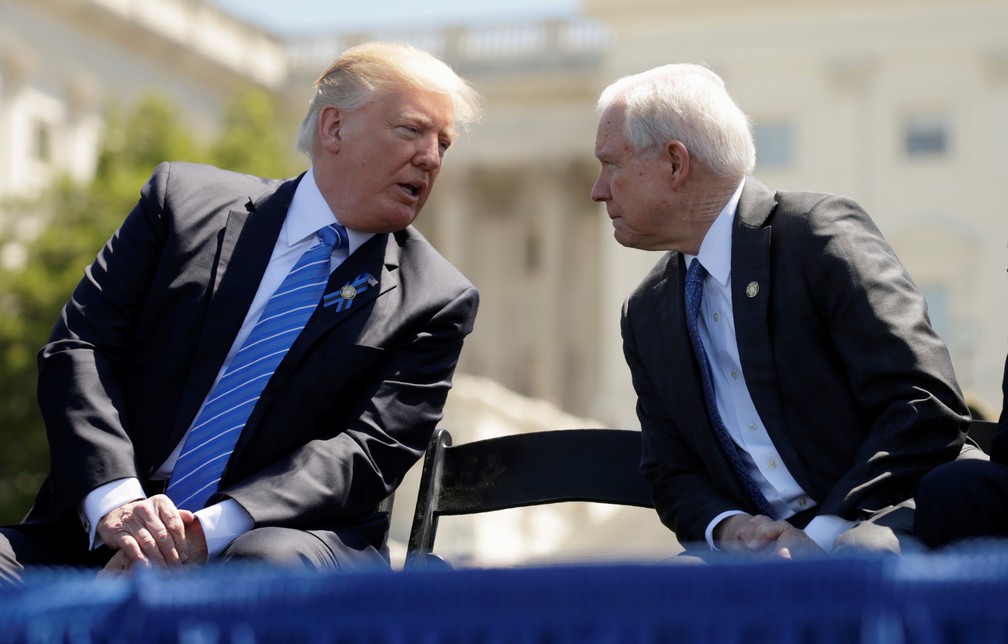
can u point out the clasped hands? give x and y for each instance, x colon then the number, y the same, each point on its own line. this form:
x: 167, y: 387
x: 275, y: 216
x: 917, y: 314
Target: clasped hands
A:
x: 761, y: 535
x: 151, y: 532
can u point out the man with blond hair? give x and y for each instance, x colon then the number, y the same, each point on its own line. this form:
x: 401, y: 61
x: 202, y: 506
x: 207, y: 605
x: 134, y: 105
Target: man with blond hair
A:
x: 250, y: 365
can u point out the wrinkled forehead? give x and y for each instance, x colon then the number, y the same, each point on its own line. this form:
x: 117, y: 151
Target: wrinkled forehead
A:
x: 611, y: 129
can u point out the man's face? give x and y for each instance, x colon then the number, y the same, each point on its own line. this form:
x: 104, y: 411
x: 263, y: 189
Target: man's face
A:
x: 378, y: 163
x: 634, y: 188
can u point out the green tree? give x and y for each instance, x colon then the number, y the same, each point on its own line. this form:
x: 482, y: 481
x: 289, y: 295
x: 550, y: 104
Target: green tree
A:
x: 79, y: 219
x: 250, y: 140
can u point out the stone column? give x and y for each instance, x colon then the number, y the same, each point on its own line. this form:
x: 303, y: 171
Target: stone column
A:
x: 546, y: 245
x: 15, y: 66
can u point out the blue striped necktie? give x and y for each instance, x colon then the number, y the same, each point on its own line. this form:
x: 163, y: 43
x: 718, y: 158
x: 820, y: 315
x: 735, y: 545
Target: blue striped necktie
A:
x: 694, y: 294
x: 224, y: 414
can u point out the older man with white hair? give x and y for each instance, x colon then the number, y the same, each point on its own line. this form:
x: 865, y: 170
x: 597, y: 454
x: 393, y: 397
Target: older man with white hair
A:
x: 791, y: 390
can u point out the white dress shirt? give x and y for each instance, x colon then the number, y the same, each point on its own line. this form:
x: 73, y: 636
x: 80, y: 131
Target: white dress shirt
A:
x: 224, y: 521
x: 716, y: 325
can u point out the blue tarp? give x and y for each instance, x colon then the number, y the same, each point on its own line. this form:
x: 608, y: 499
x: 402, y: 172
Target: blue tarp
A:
x: 956, y: 597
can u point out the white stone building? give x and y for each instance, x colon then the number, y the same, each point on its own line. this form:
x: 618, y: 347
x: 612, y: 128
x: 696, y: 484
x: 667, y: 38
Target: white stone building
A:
x: 63, y: 61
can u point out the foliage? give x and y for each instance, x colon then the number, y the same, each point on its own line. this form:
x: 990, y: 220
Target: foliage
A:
x: 250, y: 141
x: 79, y: 218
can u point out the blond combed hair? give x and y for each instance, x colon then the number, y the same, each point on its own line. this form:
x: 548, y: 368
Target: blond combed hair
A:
x: 361, y: 72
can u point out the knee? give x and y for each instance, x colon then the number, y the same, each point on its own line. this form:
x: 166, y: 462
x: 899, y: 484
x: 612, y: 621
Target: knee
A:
x: 947, y: 485
x: 887, y: 531
x: 957, y: 501
x: 867, y: 539
x: 10, y: 567
x: 311, y: 549
x: 265, y: 545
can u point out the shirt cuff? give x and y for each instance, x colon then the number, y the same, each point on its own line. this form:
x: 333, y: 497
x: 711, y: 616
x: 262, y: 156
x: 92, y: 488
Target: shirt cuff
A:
x: 825, y: 528
x: 709, y: 533
x: 222, y: 523
x: 102, y: 500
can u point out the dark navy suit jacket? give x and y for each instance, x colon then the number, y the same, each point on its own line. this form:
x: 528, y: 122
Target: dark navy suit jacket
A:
x: 138, y: 346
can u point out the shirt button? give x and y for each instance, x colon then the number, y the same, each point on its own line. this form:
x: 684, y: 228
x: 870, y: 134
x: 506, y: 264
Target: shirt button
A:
x: 717, y: 316
x: 773, y: 464
x: 734, y: 374
x: 802, y: 502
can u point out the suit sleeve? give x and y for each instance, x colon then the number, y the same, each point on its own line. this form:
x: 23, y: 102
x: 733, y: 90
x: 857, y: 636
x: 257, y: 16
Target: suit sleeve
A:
x: 79, y: 392
x: 898, y: 372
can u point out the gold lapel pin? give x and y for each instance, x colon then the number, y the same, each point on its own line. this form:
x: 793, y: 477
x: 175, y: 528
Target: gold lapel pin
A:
x: 751, y: 289
x: 348, y: 292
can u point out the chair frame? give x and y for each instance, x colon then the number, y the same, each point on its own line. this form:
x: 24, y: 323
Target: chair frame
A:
x: 535, y: 468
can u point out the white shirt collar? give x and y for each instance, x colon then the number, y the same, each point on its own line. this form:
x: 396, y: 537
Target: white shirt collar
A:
x: 715, y: 250
x: 309, y: 212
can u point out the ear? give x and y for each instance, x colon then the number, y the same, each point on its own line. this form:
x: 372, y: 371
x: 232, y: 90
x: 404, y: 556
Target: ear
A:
x: 678, y: 159
x: 330, y: 129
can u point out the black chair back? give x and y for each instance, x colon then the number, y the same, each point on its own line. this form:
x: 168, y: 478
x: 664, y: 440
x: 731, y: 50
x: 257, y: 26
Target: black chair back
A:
x: 595, y: 465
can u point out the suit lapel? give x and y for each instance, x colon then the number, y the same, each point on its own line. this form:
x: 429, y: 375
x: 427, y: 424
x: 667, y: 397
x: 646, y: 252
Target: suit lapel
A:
x: 751, y: 291
x: 683, y: 378
x: 245, y: 246
x: 377, y: 258
x: 371, y: 271
x: 677, y: 348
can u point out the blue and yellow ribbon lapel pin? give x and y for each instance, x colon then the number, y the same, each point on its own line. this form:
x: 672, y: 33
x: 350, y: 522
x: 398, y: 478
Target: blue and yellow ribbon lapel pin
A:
x: 344, y: 297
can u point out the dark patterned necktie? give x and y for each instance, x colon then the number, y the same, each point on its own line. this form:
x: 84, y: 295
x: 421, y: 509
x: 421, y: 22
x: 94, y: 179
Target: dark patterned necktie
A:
x: 694, y: 295
x: 214, y: 434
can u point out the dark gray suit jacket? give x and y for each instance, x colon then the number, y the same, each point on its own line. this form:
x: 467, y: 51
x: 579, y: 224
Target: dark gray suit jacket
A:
x: 138, y: 346
x: 855, y: 388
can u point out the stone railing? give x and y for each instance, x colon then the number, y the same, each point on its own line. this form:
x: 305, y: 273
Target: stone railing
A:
x: 545, y: 45
x: 196, y: 26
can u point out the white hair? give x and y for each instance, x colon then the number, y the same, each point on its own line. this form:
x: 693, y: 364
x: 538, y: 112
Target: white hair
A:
x: 686, y: 103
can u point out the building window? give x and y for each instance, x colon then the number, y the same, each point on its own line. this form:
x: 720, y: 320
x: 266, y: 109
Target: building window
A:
x: 925, y: 135
x: 41, y: 142
x: 774, y: 144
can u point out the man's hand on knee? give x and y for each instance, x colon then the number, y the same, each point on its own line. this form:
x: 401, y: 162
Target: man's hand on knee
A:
x: 148, y: 531
x: 762, y: 535
x: 194, y: 548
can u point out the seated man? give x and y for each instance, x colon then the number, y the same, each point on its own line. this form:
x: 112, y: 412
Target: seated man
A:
x: 967, y: 499
x: 791, y: 390
x: 250, y: 365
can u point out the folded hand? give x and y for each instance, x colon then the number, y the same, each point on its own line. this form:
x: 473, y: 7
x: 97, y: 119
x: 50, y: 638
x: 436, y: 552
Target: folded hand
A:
x: 151, y: 532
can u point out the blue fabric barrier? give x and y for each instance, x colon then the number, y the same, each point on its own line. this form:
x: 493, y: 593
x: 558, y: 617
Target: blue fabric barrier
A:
x: 919, y: 598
